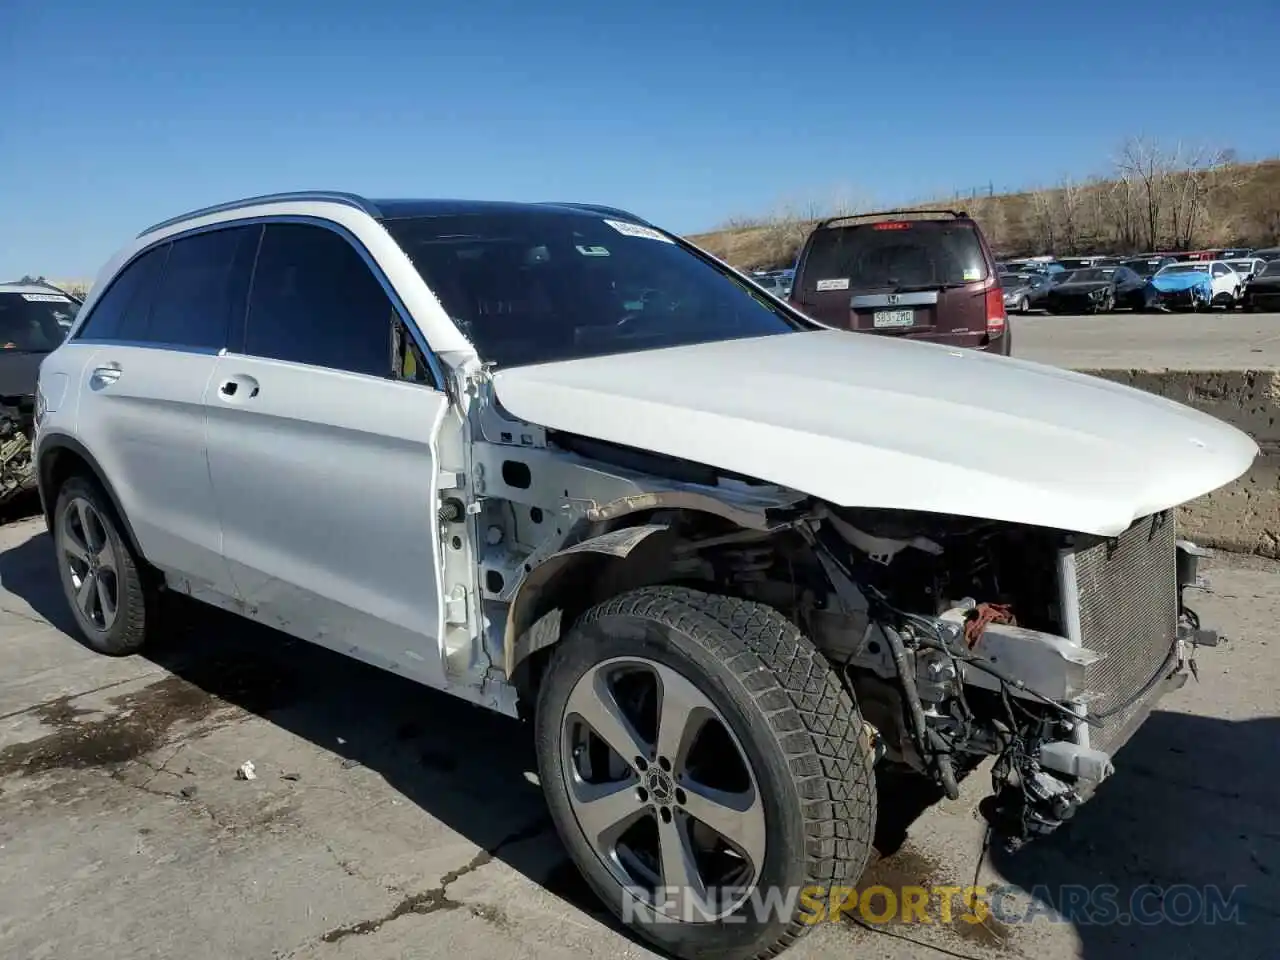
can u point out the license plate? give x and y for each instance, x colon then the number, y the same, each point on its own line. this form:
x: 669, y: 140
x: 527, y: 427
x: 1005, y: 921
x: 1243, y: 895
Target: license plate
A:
x: 894, y: 318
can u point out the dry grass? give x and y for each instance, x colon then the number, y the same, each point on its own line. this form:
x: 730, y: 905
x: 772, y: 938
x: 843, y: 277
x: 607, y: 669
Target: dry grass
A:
x: 1233, y: 205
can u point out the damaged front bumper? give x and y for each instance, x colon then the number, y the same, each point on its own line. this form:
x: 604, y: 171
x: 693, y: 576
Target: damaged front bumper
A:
x: 1037, y: 791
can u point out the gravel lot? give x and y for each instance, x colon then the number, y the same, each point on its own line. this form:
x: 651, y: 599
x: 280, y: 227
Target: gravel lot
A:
x: 388, y: 821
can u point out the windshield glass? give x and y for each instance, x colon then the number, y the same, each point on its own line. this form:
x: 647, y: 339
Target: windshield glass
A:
x: 1141, y: 267
x: 1241, y: 266
x: 902, y: 255
x: 1091, y: 276
x: 532, y: 287
x: 1186, y: 268
x: 1010, y: 280
x: 35, y: 322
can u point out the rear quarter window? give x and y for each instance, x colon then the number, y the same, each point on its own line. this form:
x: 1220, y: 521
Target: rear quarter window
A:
x: 908, y: 254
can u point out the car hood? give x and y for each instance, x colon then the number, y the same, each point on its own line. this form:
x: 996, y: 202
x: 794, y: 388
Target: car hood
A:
x: 19, y: 373
x: 1085, y: 286
x: 1174, y: 282
x: 874, y: 422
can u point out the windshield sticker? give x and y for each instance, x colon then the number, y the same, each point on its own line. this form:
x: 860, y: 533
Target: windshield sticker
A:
x: 972, y: 274
x: 635, y: 230
x: 45, y: 298
x: 593, y: 251
x: 841, y: 283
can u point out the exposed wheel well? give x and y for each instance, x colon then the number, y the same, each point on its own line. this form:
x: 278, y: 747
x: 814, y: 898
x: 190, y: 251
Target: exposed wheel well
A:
x: 547, y: 610
x: 67, y: 459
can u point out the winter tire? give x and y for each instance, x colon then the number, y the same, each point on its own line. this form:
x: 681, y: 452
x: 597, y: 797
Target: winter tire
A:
x: 699, y: 742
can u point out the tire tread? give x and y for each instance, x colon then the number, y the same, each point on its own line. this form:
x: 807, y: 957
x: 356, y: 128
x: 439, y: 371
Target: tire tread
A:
x: 811, y: 713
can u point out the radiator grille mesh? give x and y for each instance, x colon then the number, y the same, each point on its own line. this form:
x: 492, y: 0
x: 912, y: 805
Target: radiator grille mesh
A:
x: 1128, y: 609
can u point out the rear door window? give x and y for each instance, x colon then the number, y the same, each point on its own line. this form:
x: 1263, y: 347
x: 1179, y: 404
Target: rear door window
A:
x: 900, y: 255
x: 203, y: 289
x: 121, y: 312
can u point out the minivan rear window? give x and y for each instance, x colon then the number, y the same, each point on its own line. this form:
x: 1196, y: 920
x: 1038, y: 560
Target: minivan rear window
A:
x: 901, y: 255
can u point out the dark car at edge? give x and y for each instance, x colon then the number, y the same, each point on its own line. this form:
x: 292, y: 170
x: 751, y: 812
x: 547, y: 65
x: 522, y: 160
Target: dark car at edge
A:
x: 34, y: 319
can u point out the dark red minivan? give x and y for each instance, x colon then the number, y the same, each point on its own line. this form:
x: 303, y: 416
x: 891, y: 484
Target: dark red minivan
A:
x: 920, y: 274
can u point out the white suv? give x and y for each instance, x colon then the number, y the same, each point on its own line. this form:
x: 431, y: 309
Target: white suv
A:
x: 561, y: 463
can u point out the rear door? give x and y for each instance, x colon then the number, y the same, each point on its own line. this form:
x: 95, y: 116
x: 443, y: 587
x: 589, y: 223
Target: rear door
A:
x: 915, y: 278
x: 157, y: 332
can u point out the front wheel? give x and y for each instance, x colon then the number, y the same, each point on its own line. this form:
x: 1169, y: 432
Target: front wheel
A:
x: 705, y: 767
x: 101, y: 578
x: 1024, y: 305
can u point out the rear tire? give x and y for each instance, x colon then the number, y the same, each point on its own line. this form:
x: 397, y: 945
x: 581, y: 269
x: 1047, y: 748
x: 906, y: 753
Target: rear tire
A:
x: 101, y: 577
x: 664, y: 672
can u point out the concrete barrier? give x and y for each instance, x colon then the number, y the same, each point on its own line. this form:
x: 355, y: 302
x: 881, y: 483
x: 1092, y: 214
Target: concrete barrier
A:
x: 1243, y: 516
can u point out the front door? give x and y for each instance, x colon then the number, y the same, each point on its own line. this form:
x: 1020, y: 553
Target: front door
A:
x: 324, y: 463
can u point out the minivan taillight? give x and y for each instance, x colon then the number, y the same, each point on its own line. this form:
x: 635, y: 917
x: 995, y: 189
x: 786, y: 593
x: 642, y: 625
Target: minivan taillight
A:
x: 996, y: 316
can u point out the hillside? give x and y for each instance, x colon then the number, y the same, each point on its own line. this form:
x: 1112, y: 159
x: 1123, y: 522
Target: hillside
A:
x: 1151, y: 202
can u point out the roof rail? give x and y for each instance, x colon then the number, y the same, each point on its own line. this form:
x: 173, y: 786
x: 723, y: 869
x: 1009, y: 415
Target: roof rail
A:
x: 598, y: 208
x: 893, y: 214
x: 317, y: 196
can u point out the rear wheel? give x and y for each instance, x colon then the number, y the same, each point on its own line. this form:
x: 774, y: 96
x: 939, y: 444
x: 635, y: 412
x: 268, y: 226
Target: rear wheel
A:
x: 703, y: 765
x: 101, y: 577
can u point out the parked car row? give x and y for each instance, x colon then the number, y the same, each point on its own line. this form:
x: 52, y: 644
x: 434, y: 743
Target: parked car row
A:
x: 777, y: 282
x: 1074, y: 285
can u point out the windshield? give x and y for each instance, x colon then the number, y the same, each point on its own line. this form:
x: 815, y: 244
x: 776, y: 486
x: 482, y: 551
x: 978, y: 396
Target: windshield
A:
x: 1241, y: 266
x: 907, y: 255
x: 1011, y: 280
x: 1186, y: 268
x: 1091, y: 276
x: 35, y: 322
x: 532, y: 287
x: 1142, y: 267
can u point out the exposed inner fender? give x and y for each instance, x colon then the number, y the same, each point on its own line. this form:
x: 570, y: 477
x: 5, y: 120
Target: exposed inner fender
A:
x: 528, y: 605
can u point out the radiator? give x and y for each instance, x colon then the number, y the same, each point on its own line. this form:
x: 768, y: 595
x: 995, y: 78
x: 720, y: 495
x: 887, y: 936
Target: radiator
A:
x: 1120, y: 598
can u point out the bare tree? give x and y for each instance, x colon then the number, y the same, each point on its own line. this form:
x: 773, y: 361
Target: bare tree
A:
x: 1144, y: 165
x: 1069, y: 202
x: 1116, y: 209
x: 1044, y: 220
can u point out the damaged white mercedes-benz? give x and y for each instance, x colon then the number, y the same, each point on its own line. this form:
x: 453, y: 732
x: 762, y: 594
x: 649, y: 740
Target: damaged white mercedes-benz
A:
x: 735, y: 567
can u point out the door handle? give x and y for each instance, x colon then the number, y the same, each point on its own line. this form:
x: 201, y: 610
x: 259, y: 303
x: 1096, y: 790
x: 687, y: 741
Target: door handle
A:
x: 238, y: 388
x: 106, y: 374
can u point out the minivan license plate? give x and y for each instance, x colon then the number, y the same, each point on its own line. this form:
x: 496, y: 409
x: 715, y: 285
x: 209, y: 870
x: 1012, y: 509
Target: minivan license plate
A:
x: 894, y: 318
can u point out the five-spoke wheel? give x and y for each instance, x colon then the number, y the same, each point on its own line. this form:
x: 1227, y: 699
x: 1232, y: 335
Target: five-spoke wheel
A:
x: 98, y: 569
x: 703, y: 764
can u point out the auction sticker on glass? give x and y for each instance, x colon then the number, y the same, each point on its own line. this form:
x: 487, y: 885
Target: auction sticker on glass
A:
x: 894, y: 318
x: 635, y: 230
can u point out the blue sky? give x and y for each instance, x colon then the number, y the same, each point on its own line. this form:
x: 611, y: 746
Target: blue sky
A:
x: 118, y: 114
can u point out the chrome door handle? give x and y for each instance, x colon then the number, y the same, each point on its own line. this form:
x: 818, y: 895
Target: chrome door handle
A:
x: 107, y: 373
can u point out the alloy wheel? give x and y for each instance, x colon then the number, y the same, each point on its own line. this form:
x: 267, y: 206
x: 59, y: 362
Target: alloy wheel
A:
x: 88, y: 555
x: 662, y: 789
